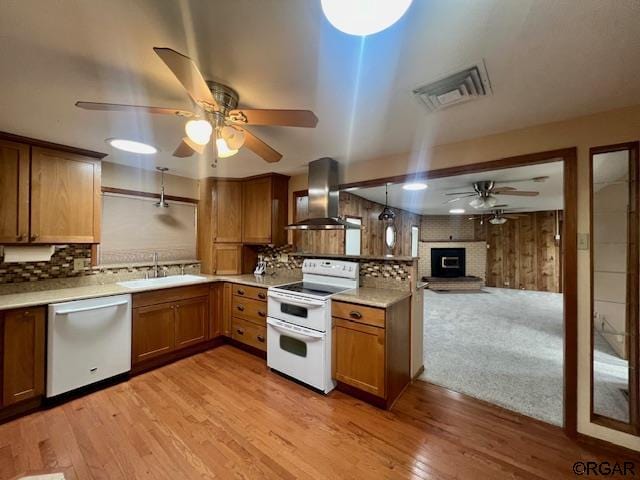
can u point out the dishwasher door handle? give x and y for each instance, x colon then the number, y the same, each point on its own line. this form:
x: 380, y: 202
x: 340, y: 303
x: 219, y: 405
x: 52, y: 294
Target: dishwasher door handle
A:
x: 95, y: 307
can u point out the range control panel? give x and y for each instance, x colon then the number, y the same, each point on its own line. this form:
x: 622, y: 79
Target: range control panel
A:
x: 331, y: 268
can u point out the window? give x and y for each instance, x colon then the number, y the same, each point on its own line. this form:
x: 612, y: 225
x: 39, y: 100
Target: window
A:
x: 415, y: 233
x: 133, y: 229
x: 353, y: 237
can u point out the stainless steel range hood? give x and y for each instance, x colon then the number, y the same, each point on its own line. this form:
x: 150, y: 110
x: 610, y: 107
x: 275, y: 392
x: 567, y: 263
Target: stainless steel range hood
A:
x: 323, y: 199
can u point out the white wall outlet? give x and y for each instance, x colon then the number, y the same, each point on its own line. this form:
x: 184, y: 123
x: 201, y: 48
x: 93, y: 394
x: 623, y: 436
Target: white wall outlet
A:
x: 80, y: 264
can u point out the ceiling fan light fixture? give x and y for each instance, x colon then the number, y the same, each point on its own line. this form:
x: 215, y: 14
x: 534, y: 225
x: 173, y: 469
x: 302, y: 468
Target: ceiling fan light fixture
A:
x: 490, y: 202
x: 223, y: 149
x: 198, y: 131
x: 477, y: 202
x: 497, y: 220
x: 132, y: 146
x: 364, y: 17
x: 234, y: 137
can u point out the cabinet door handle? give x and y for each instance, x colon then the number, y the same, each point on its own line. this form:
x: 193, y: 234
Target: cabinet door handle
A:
x: 262, y: 314
x: 260, y: 338
x: 34, y: 237
x: 240, y: 331
x: 261, y: 296
x: 240, y: 291
x: 240, y: 307
x: 355, y: 314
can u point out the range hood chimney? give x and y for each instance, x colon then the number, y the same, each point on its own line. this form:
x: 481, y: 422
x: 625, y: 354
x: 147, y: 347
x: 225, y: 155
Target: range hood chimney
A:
x: 323, y: 198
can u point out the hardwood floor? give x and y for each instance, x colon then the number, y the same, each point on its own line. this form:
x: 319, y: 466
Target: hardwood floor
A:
x: 222, y: 414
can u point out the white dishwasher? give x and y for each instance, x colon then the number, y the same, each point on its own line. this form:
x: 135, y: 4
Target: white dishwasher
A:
x: 87, y: 341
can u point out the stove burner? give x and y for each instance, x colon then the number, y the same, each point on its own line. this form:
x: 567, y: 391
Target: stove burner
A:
x: 312, y: 288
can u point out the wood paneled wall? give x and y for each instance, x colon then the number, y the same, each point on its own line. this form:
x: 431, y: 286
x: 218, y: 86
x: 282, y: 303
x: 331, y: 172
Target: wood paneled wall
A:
x: 524, y: 253
x: 372, y: 233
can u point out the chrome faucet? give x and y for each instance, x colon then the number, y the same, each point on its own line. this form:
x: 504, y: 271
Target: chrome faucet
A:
x: 155, y: 265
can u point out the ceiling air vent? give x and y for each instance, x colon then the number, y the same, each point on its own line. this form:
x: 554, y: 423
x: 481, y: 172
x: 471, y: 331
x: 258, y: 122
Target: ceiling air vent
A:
x: 468, y: 84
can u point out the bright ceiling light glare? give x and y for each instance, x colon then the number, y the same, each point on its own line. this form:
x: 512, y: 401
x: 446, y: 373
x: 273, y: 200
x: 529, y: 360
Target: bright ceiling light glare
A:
x: 456, y: 210
x: 223, y: 149
x: 364, y: 17
x: 414, y: 186
x: 198, y: 131
x: 132, y: 146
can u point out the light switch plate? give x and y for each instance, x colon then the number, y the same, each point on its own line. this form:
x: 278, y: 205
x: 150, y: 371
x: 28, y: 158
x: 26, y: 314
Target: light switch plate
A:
x: 80, y: 264
x: 583, y: 241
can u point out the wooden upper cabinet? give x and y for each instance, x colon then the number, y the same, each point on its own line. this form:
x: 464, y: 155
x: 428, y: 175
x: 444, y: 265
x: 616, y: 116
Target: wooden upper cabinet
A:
x: 65, y: 197
x: 227, y: 211
x: 14, y: 192
x: 265, y: 208
x: 23, y: 354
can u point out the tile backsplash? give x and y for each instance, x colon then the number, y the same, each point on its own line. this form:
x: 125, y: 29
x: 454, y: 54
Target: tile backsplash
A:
x: 378, y: 273
x: 61, y: 266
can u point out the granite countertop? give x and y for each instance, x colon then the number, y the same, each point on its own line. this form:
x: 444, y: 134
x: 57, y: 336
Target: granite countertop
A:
x: 373, y: 297
x: 58, y: 295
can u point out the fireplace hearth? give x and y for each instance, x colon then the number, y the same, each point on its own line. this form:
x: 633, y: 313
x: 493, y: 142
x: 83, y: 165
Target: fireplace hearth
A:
x: 447, y: 262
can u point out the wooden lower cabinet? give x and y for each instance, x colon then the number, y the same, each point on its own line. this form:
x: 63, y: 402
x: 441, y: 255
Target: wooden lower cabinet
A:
x: 216, y: 310
x: 23, y: 333
x: 248, y: 311
x: 371, y: 352
x: 166, y: 321
x: 359, y: 356
x: 191, y: 321
x: 249, y: 333
x: 153, y: 331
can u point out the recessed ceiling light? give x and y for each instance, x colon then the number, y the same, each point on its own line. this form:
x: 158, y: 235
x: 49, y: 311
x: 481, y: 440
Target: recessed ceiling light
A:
x: 456, y: 210
x: 414, y: 186
x: 364, y: 17
x: 132, y: 146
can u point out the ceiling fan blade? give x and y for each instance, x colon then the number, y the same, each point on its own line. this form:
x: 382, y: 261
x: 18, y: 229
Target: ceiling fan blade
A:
x: 260, y: 148
x: 512, y: 217
x: 459, y: 198
x: 117, y: 107
x: 188, y: 75
x: 283, y: 118
x: 461, y: 193
x: 503, y: 189
x: 187, y: 148
x: 519, y: 193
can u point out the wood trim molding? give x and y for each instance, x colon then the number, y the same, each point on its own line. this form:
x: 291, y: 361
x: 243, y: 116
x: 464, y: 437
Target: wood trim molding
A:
x: 633, y: 300
x: 137, y: 193
x: 54, y: 146
x: 528, y: 159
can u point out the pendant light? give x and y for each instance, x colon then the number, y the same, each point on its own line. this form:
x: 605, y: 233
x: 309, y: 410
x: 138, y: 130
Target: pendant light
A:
x: 161, y: 203
x: 387, y: 215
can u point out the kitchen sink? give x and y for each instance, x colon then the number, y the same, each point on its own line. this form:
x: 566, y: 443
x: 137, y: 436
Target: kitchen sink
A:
x: 162, y: 281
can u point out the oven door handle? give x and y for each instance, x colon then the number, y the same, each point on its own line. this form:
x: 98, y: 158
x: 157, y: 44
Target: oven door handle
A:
x: 302, y: 336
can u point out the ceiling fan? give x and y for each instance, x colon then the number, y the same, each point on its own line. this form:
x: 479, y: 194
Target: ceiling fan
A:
x: 484, y: 193
x: 216, y: 111
x: 498, y: 216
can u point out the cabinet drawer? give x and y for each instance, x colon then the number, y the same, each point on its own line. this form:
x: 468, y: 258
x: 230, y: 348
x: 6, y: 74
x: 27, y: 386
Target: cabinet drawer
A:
x: 359, y: 313
x: 249, y: 333
x: 256, y: 293
x: 248, y: 309
x: 166, y: 295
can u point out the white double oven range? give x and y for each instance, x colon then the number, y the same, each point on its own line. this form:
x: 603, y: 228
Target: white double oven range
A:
x: 299, y: 321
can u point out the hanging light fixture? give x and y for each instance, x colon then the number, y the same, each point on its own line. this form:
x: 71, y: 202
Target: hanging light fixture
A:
x: 387, y: 214
x: 161, y: 203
